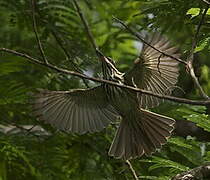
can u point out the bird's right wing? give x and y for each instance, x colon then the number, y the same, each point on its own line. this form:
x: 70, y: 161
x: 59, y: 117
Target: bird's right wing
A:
x: 153, y: 71
x: 77, y: 111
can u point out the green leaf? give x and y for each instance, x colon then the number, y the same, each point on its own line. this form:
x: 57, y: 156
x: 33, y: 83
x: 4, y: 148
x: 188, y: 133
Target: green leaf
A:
x: 193, y: 12
x: 161, y: 162
x: 196, y: 11
x: 207, y: 156
x: 179, y: 142
x: 201, y: 120
x: 189, y: 149
x: 208, y: 12
x: 187, y: 110
x: 202, y: 45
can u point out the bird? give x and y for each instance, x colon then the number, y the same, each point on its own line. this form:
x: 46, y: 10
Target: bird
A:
x: 140, y: 131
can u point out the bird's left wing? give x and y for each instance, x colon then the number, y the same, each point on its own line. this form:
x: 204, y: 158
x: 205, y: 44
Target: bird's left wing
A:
x: 77, y: 111
x: 153, y: 71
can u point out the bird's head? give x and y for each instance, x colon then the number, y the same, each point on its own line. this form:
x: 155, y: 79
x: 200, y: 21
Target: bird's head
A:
x: 110, y: 72
x: 106, y: 60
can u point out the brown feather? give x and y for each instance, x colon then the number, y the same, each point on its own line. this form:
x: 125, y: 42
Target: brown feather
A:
x: 153, y: 71
x: 76, y: 111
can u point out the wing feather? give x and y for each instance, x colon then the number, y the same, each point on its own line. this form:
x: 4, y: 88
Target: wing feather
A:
x: 78, y: 111
x: 153, y: 71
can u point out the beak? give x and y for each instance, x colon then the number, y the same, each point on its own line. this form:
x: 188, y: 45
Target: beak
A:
x: 99, y: 54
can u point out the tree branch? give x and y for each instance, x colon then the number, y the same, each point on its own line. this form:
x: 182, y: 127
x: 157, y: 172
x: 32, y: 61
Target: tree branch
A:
x: 195, y: 39
x: 145, y: 42
x: 200, y: 172
x: 86, y: 26
x: 59, y: 41
x: 132, y: 170
x: 36, y: 32
x: 207, y: 2
x: 65, y: 71
x: 196, y: 82
x: 191, y: 57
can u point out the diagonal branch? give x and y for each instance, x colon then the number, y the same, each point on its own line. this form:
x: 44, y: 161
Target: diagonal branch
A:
x: 191, y: 56
x: 85, y: 23
x: 132, y: 170
x: 145, y: 42
x: 195, y: 38
x: 60, y: 43
x: 64, y: 71
x: 36, y: 32
x: 207, y: 2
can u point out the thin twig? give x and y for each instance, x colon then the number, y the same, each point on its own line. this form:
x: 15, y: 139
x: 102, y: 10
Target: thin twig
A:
x: 64, y: 71
x: 85, y: 23
x: 196, y: 82
x: 145, y: 42
x: 207, y: 2
x: 195, y: 38
x: 59, y: 41
x: 26, y: 130
x: 36, y: 32
x: 191, y: 56
x: 132, y: 170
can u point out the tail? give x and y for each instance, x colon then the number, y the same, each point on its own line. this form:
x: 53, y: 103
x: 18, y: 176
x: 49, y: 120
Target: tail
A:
x: 142, y: 134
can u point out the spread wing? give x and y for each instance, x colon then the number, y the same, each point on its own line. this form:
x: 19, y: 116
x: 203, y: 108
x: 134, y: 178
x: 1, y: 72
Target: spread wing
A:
x: 77, y: 111
x: 153, y: 71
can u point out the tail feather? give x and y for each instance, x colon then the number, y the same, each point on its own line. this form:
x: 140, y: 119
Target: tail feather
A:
x: 141, y: 134
x: 159, y: 128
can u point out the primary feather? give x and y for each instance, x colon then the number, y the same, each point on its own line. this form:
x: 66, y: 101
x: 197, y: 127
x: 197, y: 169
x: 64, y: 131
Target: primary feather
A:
x: 153, y: 71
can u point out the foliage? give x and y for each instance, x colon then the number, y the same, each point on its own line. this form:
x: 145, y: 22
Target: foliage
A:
x: 48, y: 154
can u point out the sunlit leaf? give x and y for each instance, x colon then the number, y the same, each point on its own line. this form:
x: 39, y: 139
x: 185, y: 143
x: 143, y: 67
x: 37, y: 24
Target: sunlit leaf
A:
x: 193, y: 12
x: 202, y: 45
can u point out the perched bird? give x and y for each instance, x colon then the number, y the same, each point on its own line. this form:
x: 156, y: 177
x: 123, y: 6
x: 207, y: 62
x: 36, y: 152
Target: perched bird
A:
x: 90, y: 110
